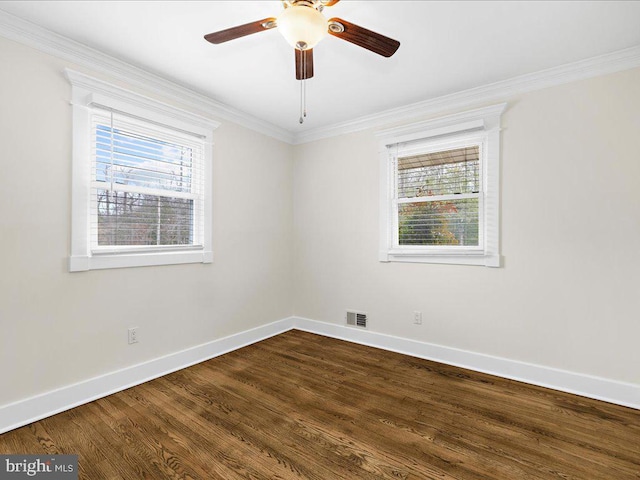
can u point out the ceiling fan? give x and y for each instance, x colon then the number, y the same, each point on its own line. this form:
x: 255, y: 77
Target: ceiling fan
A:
x: 303, y: 25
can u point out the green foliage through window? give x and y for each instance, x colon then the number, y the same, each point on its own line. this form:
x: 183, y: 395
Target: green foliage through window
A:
x: 438, y: 197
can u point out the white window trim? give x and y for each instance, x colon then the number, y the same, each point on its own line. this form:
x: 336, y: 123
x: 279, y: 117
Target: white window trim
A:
x: 483, y: 124
x: 86, y: 92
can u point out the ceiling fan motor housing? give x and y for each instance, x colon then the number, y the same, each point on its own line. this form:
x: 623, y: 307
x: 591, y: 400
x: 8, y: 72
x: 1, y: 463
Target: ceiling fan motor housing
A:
x: 317, y: 4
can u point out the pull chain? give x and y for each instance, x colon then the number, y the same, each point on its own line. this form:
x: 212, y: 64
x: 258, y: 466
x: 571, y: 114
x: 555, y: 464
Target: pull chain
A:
x: 303, y: 88
x: 302, y: 113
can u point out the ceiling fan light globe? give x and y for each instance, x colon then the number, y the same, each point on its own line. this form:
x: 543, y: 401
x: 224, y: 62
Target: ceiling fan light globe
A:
x: 302, y: 27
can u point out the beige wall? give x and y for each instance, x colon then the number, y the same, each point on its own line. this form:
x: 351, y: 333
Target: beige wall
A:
x: 59, y: 327
x: 568, y: 295
x: 296, y: 231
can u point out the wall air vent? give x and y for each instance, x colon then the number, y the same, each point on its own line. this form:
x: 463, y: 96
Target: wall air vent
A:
x: 357, y: 319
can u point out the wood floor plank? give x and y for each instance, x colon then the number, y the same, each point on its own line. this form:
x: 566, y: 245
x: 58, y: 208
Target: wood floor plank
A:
x: 490, y: 412
x: 303, y: 406
x: 386, y: 433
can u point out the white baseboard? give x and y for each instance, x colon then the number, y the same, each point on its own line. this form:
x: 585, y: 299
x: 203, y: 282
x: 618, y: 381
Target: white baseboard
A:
x: 35, y: 408
x: 620, y: 393
x: 29, y: 410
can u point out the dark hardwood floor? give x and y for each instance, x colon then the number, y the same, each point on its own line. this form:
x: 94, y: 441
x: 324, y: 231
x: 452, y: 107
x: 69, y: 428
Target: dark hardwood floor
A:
x: 304, y: 406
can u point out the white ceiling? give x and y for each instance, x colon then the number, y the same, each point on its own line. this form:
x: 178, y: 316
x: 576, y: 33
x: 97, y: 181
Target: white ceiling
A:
x: 445, y: 47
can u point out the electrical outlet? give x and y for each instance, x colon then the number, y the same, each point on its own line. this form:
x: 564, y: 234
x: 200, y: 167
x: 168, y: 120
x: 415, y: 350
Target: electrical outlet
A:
x: 417, y: 318
x: 133, y: 335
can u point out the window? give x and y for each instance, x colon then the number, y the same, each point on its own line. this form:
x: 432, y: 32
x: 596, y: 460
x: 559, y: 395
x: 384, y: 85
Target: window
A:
x: 439, y: 182
x: 141, y: 180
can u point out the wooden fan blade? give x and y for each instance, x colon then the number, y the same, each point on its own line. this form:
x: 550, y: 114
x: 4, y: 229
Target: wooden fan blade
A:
x: 364, y: 38
x: 304, y: 64
x: 330, y: 3
x: 240, y: 31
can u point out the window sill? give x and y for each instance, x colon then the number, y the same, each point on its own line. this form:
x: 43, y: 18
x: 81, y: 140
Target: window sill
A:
x: 124, y: 260
x: 479, y: 259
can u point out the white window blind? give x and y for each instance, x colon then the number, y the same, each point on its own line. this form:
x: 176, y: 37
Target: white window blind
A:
x: 147, y: 184
x: 439, y: 198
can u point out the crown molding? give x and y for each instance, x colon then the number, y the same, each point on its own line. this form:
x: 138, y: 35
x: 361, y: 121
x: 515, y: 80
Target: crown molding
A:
x: 46, y: 41
x: 571, y: 72
x: 30, y: 34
